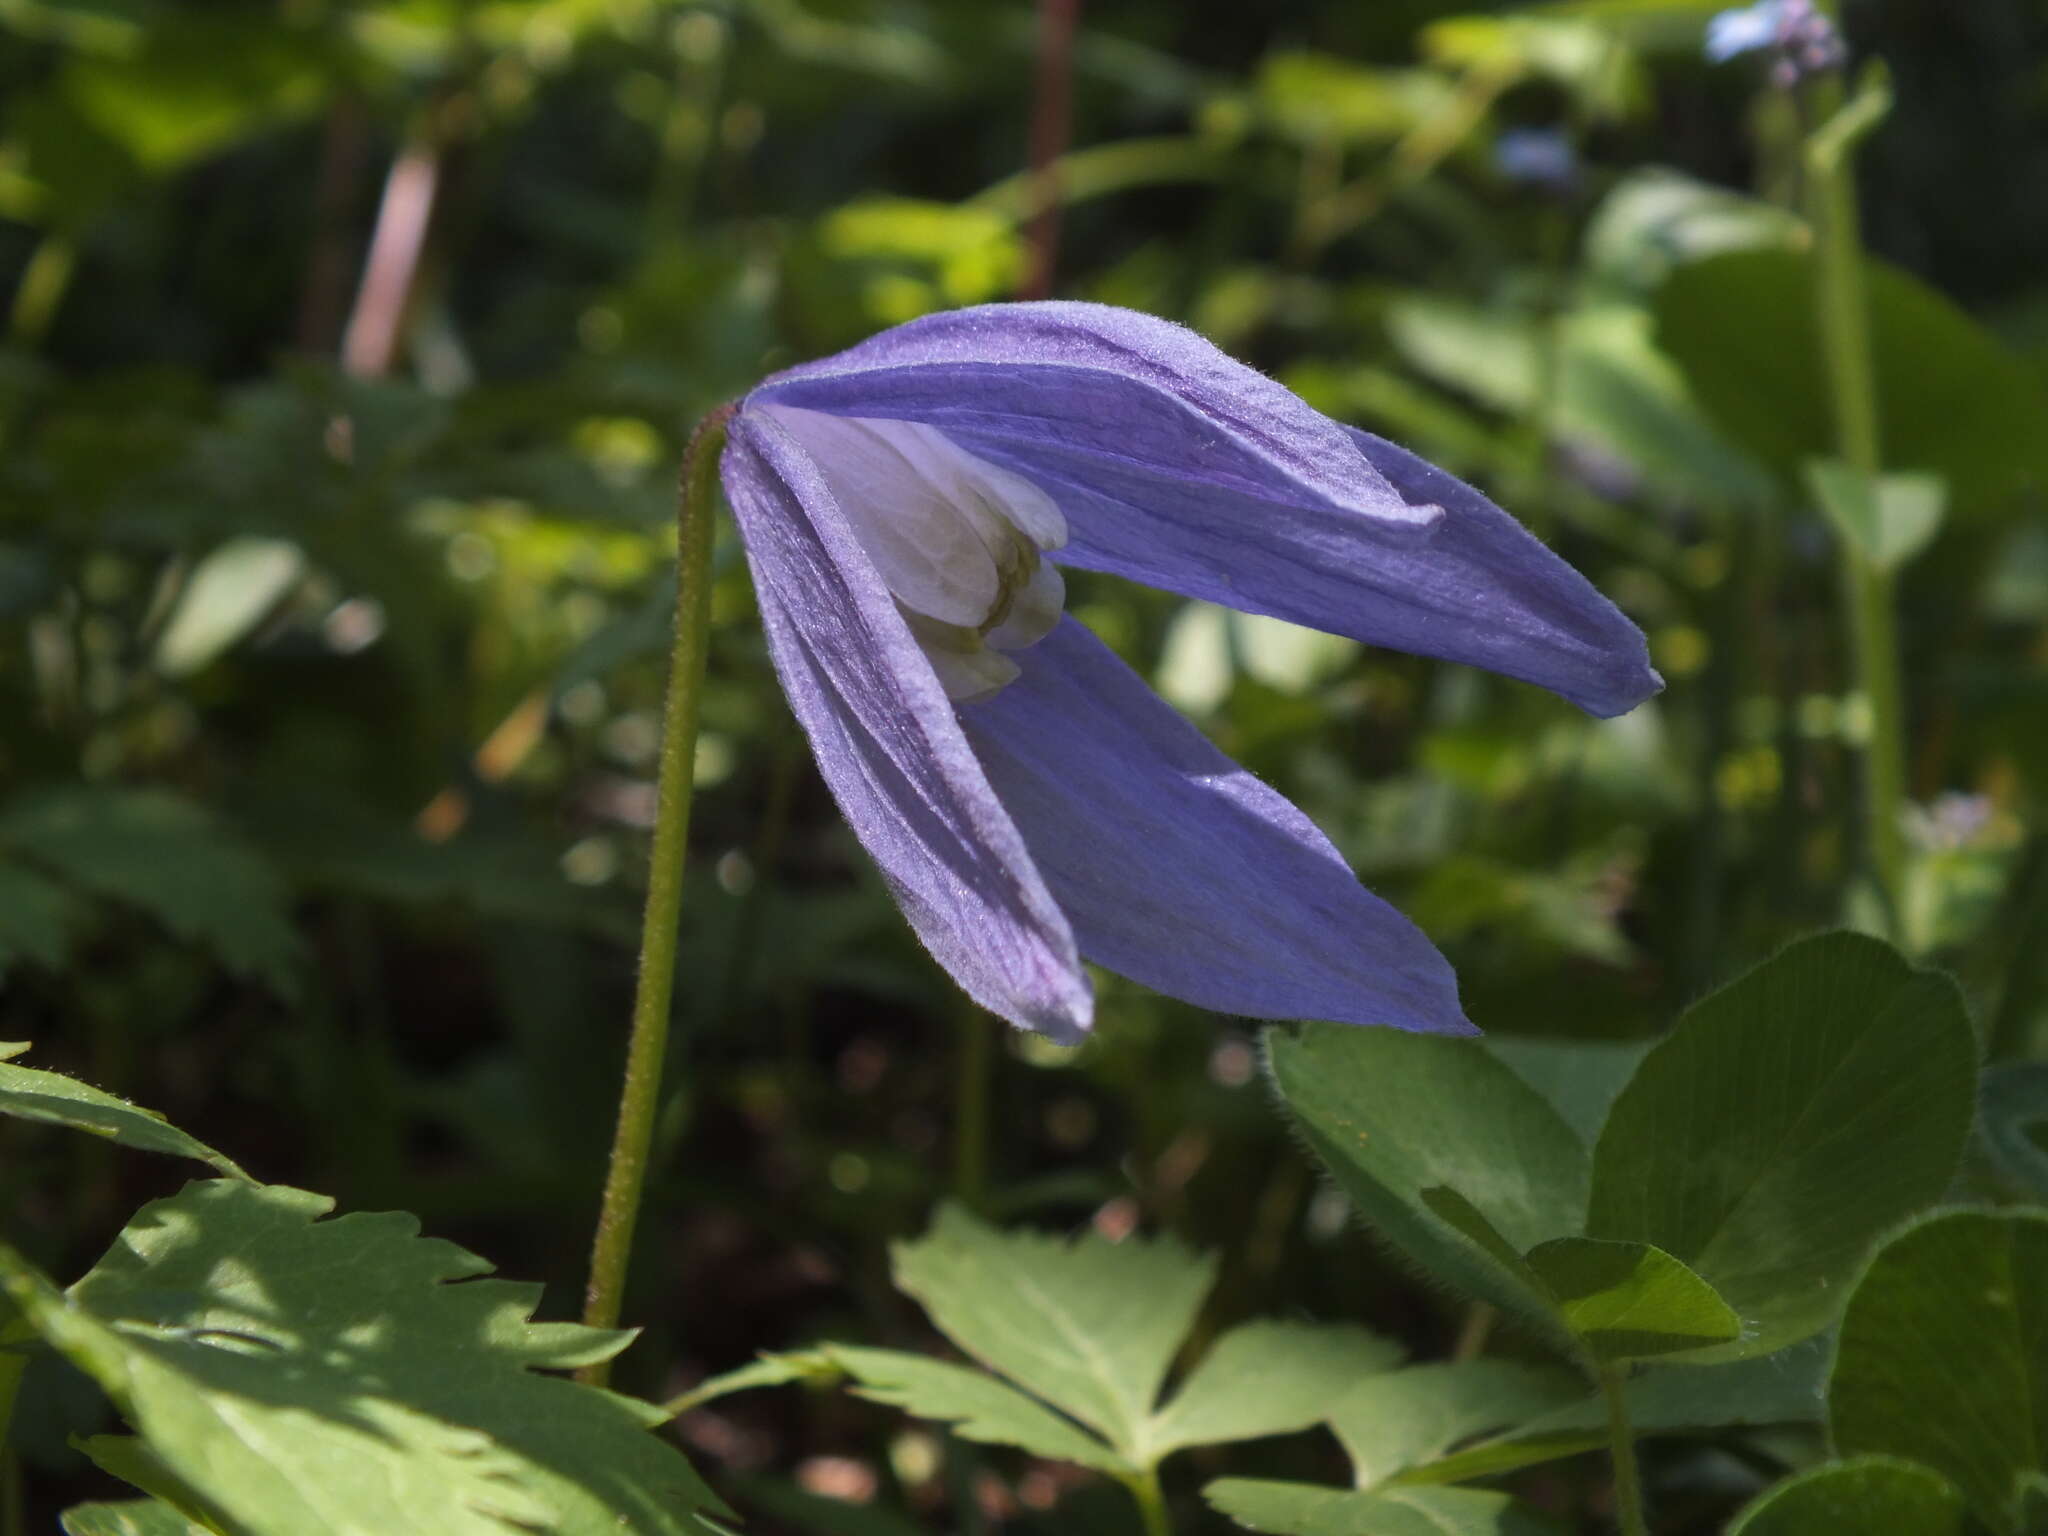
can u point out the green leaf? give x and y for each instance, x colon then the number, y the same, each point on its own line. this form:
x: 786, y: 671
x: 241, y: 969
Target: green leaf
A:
x: 1787, y: 1121
x: 1853, y: 1498
x: 137, y: 1517
x: 59, y: 1100
x: 227, y: 594
x: 1268, y: 1378
x: 36, y: 917
x: 1890, y: 519
x: 1784, y: 1388
x: 2013, y: 1110
x: 308, y: 1377
x: 1404, y: 1419
x: 978, y: 1406
x: 1090, y: 1326
x: 1302, y: 1509
x: 1394, y: 1115
x: 1943, y: 1356
x: 764, y: 1371
x: 1952, y: 399
x: 1625, y: 1301
x: 167, y: 856
x: 1580, y: 1078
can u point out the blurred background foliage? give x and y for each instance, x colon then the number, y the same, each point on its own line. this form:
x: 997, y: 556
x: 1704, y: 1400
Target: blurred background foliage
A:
x: 350, y: 347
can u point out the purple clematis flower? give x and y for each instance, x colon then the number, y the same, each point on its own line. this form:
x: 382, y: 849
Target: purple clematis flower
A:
x: 905, y: 506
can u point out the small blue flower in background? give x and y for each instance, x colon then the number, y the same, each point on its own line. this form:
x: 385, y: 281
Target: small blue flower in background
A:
x: 905, y: 507
x: 1745, y: 31
x: 1801, y: 36
x: 1537, y: 157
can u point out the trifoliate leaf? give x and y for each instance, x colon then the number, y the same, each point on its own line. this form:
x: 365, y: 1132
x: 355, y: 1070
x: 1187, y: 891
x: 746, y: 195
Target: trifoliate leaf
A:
x: 1402, y: 1419
x: 1090, y: 1326
x: 1268, y: 1378
x: 348, y: 1377
x: 978, y: 1406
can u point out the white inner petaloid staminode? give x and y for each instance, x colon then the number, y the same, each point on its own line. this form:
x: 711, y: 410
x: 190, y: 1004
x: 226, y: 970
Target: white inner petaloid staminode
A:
x: 958, y: 540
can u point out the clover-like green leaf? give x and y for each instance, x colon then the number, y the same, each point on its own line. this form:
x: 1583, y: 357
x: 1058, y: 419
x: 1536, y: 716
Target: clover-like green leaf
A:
x: 2013, y: 1111
x: 1943, y: 1357
x: 1887, y: 518
x: 1856, y: 1497
x: 1789, y: 1120
x: 308, y: 1377
x: 1952, y: 398
x: 1396, y: 1116
x: 1784, y: 1388
x: 51, y: 1096
x: 1626, y: 1301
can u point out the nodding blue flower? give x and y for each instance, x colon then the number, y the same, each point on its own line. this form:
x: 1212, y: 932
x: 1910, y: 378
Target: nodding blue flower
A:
x: 1803, y: 38
x: 906, y: 507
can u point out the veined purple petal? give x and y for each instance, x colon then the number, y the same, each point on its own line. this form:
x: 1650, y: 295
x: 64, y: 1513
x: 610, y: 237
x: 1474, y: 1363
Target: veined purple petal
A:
x: 1477, y: 587
x: 890, y: 748
x: 1178, y: 467
x: 1108, y: 386
x: 1181, y: 870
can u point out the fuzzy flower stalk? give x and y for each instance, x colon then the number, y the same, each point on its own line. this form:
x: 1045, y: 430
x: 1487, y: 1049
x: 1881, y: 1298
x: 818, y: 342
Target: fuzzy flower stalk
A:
x: 906, y: 508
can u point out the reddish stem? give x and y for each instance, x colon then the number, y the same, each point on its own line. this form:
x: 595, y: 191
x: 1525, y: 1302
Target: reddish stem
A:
x: 1052, y: 105
x: 370, y: 344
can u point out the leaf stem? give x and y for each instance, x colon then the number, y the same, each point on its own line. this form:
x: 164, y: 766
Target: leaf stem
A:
x: 1151, y: 1499
x: 640, y: 1091
x: 1621, y: 1439
x: 1843, y: 312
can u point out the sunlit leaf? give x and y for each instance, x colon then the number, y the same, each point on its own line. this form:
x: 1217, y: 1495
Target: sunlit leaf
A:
x: 1269, y: 1378
x: 1397, y: 1420
x: 1089, y: 1325
x: 137, y: 1517
x: 307, y: 1376
x: 974, y: 1403
x: 59, y: 1100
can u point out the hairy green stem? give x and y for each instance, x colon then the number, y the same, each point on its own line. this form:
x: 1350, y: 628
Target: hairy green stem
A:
x: 640, y: 1092
x: 1151, y: 1499
x: 1621, y: 1439
x: 1843, y: 311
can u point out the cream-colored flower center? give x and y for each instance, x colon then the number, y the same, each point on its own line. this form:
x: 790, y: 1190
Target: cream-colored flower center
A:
x: 958, y: 541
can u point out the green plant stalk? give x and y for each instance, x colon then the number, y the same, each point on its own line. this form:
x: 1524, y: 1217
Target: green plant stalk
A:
x: 1621, y: 1439
x: 640, y: 1091
x: 1151, y: 1499
x: 1843, y: 312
